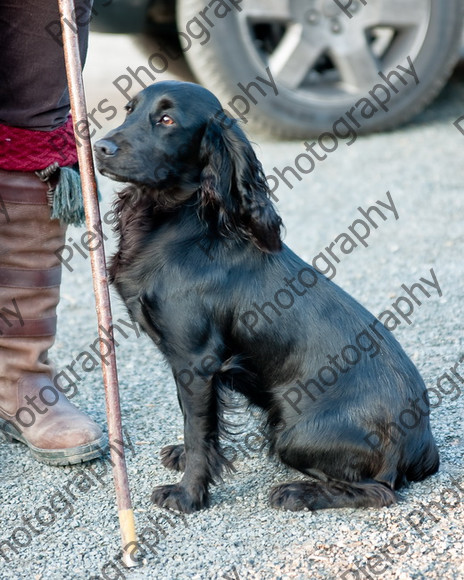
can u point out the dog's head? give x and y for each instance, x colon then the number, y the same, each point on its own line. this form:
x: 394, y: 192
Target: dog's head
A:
x: 176, y: 138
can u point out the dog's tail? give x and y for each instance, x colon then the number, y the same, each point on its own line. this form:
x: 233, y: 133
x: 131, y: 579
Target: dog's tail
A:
x: 317, y: 495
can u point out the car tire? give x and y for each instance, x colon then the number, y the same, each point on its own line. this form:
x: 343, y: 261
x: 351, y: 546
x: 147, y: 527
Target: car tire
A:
x: 238, y: 47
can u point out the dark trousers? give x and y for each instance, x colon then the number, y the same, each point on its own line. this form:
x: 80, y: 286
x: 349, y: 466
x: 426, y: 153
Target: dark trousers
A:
x: 33, y: 87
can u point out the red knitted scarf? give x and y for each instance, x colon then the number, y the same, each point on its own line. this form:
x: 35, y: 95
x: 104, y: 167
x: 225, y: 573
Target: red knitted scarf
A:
x: 27, y: 150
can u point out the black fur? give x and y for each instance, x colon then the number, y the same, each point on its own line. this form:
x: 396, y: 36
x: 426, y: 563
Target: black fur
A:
x: 199, y: 252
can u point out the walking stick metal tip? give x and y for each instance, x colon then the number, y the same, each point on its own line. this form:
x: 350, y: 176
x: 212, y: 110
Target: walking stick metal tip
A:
x: 102, y: 298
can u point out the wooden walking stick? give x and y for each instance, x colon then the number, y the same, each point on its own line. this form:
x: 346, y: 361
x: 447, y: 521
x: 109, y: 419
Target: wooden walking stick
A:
x: 99, y: 275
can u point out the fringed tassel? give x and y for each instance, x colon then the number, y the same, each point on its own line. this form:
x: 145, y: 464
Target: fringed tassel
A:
x: 64, y: 194
x: 68, y: 204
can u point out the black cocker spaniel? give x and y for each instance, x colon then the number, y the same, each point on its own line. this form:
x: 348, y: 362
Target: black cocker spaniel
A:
x: 202, y: 268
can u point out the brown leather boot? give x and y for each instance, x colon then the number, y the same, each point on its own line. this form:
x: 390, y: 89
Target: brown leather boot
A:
x: 33, y: 409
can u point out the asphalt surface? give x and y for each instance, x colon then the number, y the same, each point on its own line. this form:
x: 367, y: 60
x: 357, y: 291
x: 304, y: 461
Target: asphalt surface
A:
x: 72, y: 509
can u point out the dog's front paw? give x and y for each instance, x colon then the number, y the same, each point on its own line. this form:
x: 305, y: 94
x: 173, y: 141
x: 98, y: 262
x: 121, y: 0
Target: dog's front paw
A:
x: 173, y: 457
x: 176, y: 497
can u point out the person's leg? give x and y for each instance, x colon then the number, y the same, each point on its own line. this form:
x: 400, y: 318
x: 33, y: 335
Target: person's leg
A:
x: 34, y: 105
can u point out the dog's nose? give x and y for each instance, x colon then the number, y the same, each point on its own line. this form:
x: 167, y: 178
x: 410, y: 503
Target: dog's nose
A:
x: 105, y: 148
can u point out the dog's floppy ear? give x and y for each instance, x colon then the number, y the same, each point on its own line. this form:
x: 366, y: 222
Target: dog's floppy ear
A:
x: 234, y: 186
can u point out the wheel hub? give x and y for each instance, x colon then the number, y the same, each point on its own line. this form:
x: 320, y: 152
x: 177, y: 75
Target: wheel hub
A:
x: 322, y: 13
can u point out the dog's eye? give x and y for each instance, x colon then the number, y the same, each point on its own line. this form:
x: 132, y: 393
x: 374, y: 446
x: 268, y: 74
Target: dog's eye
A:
x: 166, y: 120
x: 129, y: 108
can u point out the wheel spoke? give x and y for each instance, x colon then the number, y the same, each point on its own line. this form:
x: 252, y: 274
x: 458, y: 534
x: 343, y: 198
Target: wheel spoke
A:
x: 267, y: 10
x: 356, y: 64
x: 293, y: 57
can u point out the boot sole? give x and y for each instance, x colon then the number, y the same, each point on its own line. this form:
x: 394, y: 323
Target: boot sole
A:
x: 71, y: 456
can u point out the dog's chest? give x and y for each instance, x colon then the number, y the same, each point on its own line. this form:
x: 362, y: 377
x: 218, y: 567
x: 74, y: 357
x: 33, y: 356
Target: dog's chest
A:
x: 135, y: 284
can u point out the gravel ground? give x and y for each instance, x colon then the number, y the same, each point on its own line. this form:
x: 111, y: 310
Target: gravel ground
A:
x: 240, y: 536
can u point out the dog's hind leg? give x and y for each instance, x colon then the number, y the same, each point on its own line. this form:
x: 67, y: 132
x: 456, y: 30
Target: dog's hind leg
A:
x: 345, y: 472
x: 315, y: 495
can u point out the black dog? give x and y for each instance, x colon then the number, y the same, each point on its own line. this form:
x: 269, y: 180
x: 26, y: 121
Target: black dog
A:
x: 202, y: 268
